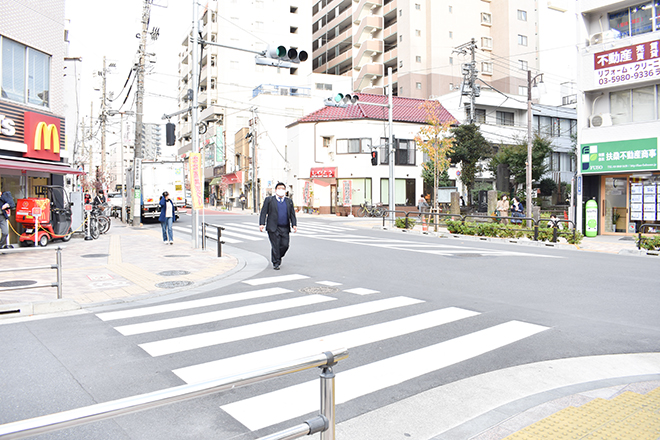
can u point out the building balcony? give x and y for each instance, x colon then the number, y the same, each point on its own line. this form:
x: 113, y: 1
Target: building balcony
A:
x: 391, y: 55
x: 339, y: 59
x: 364, y: 8
x: 390, y: 31
x: 368, y: 26
x: 369, y: 74
x: 367, y: 51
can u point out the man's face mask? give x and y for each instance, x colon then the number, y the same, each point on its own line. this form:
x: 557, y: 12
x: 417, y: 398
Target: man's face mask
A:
x: 280, y: 192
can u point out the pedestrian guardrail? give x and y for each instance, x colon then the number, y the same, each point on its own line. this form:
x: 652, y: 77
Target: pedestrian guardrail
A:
x: 324, y: 423
x: 218, y: 239
x: 533, y: 224
x: 57, y: 266
x: 641, y: 231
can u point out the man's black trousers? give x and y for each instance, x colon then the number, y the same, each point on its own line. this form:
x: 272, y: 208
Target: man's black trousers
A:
x: 279, y: 244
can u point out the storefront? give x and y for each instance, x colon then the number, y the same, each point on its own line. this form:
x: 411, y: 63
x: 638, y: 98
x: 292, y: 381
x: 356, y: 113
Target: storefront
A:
x: 623, y: 177
x: 30, y: 144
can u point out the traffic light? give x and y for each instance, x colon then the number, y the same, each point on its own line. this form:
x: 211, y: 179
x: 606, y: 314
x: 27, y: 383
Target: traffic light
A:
x: 170, y: 137
x: 341, y: 100
x: 280, y: 56
x: 374, y: 157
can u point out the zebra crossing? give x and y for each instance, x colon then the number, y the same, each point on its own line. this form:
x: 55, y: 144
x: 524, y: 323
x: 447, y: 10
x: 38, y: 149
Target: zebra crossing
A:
x: 235, y: 233
x: 171, y: 331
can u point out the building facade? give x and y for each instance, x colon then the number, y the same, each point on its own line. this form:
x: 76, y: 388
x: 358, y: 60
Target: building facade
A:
x: 32, y: 126
x: 418, y: 40
x: 619, y: 77
x: 330, y: 161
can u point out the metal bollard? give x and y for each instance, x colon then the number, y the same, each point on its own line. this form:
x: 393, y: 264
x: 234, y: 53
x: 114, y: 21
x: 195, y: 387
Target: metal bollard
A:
x: 220, y: 242
x: 328, y: 402
x: 58, y: 259
x: 203, y: 236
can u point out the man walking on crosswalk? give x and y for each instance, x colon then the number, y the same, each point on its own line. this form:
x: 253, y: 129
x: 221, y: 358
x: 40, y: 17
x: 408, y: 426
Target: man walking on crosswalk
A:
x: 278, y: 216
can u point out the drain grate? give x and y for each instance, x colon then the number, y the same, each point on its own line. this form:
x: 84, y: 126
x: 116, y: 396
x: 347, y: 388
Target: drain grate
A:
x: 176, y: 256
x: 173, y: 273
x: 95, y: 255
x: 17, y: 283
x: 319, y: 290
x: 173, y: 284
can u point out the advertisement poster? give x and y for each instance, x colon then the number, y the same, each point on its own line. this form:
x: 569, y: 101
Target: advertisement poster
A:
x: 196, y: 181
x: 347, y: 192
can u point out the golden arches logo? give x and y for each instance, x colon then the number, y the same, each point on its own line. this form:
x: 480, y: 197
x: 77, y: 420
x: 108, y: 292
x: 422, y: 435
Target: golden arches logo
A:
x: 47, y: 133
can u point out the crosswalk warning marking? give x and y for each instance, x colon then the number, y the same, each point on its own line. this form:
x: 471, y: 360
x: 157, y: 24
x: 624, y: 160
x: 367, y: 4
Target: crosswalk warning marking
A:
x: 267, y: 409
x: 279, y: 279
x: 361, y: 291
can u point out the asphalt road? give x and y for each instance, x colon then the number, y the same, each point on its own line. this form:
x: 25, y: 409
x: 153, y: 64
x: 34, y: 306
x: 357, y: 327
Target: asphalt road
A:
x: 416, y: 312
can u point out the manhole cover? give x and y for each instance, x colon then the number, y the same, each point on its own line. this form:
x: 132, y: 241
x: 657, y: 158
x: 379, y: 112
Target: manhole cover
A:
x: 95, y: 255
x: 176, y: 256
x: 173, y: 284
x: 173, y: 273
x: 319, y: 290
x: 17, y: 283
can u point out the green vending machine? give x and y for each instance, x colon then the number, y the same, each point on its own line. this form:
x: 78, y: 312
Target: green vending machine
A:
x: 591, y: 218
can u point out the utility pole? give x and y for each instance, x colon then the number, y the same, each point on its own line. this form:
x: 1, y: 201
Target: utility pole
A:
x: 254, y: 159
x: 103, y: 118
x: 469, y: 71
x: 392, y: 147
x: 530, y: 83
x: 139, y: 111
x: 91, y: 152
x: 194, y: 116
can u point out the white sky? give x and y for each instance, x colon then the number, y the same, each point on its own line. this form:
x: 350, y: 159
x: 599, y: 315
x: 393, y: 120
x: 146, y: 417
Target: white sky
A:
x: 98, y: 28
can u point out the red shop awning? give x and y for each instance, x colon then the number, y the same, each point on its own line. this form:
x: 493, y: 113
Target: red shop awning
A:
x: 38, y: 166
x: 232, y: 178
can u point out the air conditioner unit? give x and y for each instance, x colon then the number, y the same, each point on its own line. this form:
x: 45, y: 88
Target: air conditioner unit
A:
x: 601, y: 120
x: 601, y: 37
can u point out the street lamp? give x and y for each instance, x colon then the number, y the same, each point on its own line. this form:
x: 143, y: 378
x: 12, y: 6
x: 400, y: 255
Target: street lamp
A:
x: 531, y: 82
x: 122, y: 170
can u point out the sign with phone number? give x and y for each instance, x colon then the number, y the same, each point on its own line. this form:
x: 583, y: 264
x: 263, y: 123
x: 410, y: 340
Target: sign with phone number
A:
x: 628, y: 64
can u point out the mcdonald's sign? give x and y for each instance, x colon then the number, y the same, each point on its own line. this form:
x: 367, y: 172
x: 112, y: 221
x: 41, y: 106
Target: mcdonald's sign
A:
x: 42, y: 136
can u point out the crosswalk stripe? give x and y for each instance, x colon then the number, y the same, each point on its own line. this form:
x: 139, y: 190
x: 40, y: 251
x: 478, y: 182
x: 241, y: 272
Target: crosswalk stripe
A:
x: 191, y: 342
x: 220, y: 315
x: 254, y: 229
x: 267, y: 409
x: 208, y: 234
x: 236, y: 234
x: 187, y: 305
x: 326, y: 227
x: 349, y: 339
x: 279, y: 279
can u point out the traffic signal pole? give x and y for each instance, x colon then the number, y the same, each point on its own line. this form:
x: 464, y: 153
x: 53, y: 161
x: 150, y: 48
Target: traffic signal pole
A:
x: 391, y: 148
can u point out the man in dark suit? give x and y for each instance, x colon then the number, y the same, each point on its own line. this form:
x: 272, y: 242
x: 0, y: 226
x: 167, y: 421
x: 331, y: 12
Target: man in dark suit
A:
x: 278, y: 217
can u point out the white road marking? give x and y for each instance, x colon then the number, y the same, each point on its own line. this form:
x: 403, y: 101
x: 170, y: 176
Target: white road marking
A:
x: 361, y: 291
x: 279, y: 279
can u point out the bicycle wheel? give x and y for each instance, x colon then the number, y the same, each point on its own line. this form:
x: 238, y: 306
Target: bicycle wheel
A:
x: 104, y: 224
x: 361, y: 211
x: 94, y: 228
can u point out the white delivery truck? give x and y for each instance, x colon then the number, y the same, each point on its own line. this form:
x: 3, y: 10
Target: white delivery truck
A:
x: 158, y: 177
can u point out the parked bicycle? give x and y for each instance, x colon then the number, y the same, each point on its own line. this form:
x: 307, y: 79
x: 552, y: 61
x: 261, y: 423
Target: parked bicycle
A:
x: 99, y: 223
x: 371, y: 210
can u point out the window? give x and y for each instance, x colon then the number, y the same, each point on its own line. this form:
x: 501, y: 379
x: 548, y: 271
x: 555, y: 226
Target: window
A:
x: 522, y: 15
x: 522, y: 40
x: 523, y: 64
x: 451, y: 9
x: 293, y: 30
x: 504, y: 118
x: 405, y: 150
x: 636, y: 105
x: 451, y: 60
x: 212, y: 60
x: 522, y: 90
x: 353, y: 146
x: 419, y: 86
x: 486, y: 18
x: 480, y: 115
x: 635, y: 20
x: 400, y: 38
x: 326, y: 142
x: 451, y: 34
x: 418, y: 6
x: 293, y: 9
x: 418, y: 59
x: 486, y: 43
x: 401, y: 63
x: 418, y: 33
x: 25, y: 70
x: 487, y: 68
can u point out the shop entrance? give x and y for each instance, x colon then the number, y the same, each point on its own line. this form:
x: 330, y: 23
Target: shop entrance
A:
x: 614, y: 209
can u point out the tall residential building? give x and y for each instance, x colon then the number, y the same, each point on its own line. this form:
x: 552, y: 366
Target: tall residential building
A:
x: 228, y: 76
x: 418, y: 40
x: 618, y: 115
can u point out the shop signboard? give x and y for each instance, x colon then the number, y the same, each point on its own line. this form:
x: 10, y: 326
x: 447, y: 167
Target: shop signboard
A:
x: 347, y: 192
x: 619, y: 156
x: 627, y: 65
x: 196, y: 180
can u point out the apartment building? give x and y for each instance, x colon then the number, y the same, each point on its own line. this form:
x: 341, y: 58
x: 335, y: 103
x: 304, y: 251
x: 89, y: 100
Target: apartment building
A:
x: 418, y: 38
x: 228, y: 75
x: 619, y: 80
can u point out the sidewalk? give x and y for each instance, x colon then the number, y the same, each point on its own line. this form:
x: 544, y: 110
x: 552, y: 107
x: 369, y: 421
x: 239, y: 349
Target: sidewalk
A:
x: 126, y: 262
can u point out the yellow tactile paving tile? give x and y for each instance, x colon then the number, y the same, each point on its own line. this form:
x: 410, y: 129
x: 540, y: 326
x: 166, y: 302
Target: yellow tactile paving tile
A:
x: 628, y: 416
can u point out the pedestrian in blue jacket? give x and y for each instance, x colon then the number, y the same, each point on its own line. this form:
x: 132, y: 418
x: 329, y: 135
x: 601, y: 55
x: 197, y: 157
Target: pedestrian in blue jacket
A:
x: 167, y: 216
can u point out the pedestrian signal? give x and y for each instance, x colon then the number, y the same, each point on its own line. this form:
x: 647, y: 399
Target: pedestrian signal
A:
x: 374, y: 157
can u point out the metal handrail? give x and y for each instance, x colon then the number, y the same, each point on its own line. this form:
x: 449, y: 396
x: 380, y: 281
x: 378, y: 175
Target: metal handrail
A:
x: 641, y: 229
x: 219, y: 239
x: 129, y: 405
x: 57, y: 266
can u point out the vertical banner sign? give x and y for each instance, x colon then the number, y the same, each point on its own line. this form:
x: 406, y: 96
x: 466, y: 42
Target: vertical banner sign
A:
x: 196, y: 182
x: 220, y: 147
x: 347, y: 192
x: 306, y: 195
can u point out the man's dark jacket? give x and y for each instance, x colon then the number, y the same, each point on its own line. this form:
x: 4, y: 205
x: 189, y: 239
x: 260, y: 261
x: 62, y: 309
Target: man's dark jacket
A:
x: 270, y: 208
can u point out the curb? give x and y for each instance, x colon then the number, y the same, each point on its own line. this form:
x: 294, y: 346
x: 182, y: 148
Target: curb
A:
x: 22, y: 310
